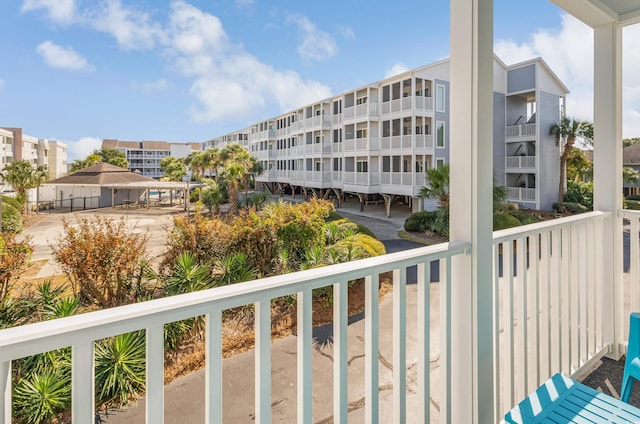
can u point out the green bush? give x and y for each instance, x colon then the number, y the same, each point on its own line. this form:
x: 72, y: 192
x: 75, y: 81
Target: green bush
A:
x: 11, y: 218
x: 502, y: 220
x: 569, y: 207
x: 524, y: 217
x: 633, y: 197
x: 417, y: 222
x: 632, y: 204
x: 581, y: 193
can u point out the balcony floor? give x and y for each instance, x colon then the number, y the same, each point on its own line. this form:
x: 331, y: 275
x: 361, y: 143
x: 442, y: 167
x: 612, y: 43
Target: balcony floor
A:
x: 607, y: 378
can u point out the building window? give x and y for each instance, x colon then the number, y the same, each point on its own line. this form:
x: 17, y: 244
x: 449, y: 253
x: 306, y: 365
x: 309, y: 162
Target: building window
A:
x: 361, y: 100
x: 361, y: 133
x: 439, y: 163
x: 362, y: 166
x: 440, y: 134
x: 440, y: 98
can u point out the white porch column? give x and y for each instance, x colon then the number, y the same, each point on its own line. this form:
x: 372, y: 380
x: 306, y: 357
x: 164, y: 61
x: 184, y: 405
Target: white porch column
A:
x: 607, y: 171
x: 471, y: 138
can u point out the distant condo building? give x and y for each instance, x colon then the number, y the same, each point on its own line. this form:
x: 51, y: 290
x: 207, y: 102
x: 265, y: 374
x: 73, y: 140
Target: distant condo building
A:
x: 144, y: 156
x: 15, y: 145
x: 377, y: 141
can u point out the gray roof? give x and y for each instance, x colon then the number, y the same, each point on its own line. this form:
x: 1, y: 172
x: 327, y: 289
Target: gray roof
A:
x: 101, y: 174
x: 631, y: 155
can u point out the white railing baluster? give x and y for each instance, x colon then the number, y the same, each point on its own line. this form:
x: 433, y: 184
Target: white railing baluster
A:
x: 5, y: 392
x: 496, y: 331
x: 371, y: 348
x: 446, y: 403
x: 213, y: 368
x: 575, y: 295
x: 423, y: 305
x: 399, y: 345
x: 554, y: 290
x: 591, y: 290
x: 82, y: 386
x: 155, y: 374
x: 533, y: 295
x: 303, y: 341
x: 340, y: 351
x: 522, y: 343
x: 583, y: 288
x: 544, y: 275
x: 508, y: 319
x: 565, y: 297
x: 600, y: 283
x: 263, y: 361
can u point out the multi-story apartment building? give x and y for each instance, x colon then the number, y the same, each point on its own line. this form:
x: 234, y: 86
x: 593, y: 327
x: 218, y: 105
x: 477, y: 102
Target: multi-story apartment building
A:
x: 144, y: 156
x: 378, y: 140
x: 15, y: 145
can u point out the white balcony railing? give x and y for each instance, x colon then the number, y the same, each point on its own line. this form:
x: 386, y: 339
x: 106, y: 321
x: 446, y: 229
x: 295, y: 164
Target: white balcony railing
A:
x: 548, y: 308
x: 81, y: 331
x: 521, y: 162
x: 521, y: 194
x: 548, y: 289
x: 524, y: 130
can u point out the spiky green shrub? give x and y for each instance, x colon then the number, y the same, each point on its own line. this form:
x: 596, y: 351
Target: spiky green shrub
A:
x: 120, y: 369
x: 42, y: 397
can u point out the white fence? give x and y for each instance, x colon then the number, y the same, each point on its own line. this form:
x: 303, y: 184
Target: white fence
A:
x: 548, y: 310
x: 81, y: 331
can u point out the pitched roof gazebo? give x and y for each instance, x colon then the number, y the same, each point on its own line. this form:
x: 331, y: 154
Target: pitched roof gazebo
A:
x: 109, y: 186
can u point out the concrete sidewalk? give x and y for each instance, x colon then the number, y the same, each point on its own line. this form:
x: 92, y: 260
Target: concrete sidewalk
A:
x: 184, y: 398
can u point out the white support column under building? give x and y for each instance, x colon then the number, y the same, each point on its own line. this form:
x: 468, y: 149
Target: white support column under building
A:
x: 471, y: 138
x: 607, y: 171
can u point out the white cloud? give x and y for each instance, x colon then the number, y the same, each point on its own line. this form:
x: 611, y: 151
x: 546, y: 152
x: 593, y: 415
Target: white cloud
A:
x: 59, y: 11
x: 132, y: 29
x: 229, y: 83
x: 316, y: 44
x: 82, y: 147
x: 62, y: 57
x: 569, y: 52
x: 151, y: 86
x: 396, y: 69
x: 346, y: 32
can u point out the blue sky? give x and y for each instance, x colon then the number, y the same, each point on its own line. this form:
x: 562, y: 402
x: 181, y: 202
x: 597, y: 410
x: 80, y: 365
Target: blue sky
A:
x: 80, y: 71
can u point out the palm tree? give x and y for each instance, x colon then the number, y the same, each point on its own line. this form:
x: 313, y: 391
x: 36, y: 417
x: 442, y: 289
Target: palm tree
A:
x: 19, y: 174
x: 237, y: 164
x: 437, y: 180
x: 40, y: 175
x: 566, y: 132
x: 174, y: 168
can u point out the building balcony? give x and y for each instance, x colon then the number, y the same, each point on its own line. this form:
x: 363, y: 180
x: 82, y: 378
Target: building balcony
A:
x: 548, y: 310
x: 396, y: 178
x: 364, y: 144
x: 519, y: 132
x: 520, y: 162
x: 521, y: 194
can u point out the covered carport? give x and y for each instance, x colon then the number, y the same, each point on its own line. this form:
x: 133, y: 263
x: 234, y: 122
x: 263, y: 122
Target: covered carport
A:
x: 150, y: 193
x: 106, y: 185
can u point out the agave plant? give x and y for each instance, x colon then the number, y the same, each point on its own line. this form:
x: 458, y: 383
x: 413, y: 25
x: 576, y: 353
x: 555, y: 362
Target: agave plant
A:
x: 42, y: 397
x: 120, y: 369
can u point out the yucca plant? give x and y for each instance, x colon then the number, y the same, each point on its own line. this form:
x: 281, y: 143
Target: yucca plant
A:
x: 120, y: 369
x: 41, y: 398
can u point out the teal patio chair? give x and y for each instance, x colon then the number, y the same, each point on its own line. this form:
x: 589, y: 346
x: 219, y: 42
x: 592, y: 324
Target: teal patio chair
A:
x: 632, y: 364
